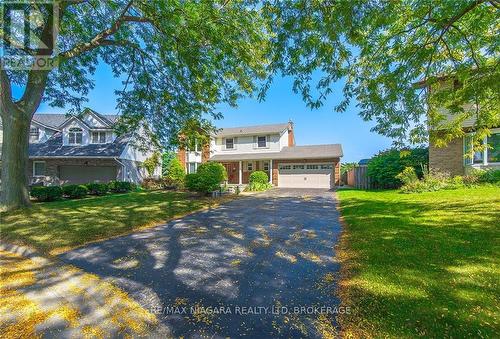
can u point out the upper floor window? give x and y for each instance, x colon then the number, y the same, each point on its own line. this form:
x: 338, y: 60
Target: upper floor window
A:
x: 229, y: 143
x: 262, y: 142
x: 34, y: 133
x: 75, y: 136
x: 98, y: 137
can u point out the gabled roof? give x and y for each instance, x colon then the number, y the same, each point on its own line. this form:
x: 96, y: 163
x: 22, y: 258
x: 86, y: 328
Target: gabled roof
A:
x: 252, y: 130
x: 54, y: 148
x: 294, y: 152
x: 54, y: 121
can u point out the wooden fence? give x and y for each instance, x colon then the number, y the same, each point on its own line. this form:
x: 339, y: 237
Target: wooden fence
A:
x: 358, y: 177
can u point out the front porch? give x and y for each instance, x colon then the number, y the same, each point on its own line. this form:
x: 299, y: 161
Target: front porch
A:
x: 238, y: 172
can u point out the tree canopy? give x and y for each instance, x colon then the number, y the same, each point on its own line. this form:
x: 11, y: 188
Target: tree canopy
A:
x: 391, y: 54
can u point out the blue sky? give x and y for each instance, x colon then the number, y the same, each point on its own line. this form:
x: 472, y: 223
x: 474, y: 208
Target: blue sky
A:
x: 320, y: 126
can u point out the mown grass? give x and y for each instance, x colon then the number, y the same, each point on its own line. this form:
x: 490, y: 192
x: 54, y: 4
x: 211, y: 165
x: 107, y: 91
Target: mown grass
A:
x: 53, y: 227
x: 421, y: 264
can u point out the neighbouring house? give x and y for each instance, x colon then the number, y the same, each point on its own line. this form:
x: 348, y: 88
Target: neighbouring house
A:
x: 80, y: 149
x: 268, y: 148
x: 453, y: 158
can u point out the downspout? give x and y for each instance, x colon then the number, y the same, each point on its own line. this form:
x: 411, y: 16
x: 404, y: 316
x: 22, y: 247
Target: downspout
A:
x: 123, y: 168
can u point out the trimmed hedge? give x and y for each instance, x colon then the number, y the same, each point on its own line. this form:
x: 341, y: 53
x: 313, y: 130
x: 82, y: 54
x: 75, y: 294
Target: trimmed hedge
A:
x: 46, y: 193
x: 120, y: 186
x: 191, y: 181
x: 75, y: 191
x: 97, y: 188
x: 258, y: 181
x: 207, y: 178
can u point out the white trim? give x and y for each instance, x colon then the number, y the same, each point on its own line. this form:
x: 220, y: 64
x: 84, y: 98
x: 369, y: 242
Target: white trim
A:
x: 485, y: 152
x: 97, y: 143
x: 89, y: 111
x: 45, y: 169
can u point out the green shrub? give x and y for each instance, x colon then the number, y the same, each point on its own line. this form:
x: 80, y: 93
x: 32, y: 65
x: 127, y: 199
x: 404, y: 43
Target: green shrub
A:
x: 46, y: 193
x: 120, y: 186
x: 97, y: 188
x: 175, y: 173
x: 211, y: 175
x: 258, y: 177
x: 408, y: 176
x: 75, y: 191
x: 151, y: 163
x: 258, y: 181
x: 191, y: 181
x: 491, y: 176
x: 384, y: 167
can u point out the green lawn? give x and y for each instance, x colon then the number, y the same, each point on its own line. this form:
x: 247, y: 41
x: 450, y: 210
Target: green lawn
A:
x: 421, y: 264
x: 56, y: 226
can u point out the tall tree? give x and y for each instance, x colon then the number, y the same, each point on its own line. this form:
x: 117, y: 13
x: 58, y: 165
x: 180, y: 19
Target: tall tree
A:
x: 390, y: 55
x: 177, y: 59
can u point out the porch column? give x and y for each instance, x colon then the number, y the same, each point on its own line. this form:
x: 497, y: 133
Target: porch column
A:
x: 271, y: 171
x: 240, y: 173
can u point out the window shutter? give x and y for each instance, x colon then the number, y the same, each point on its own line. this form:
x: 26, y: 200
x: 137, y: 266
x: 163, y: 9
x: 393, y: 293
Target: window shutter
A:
x: 235, y: 143
x: 255, y: 141
x: 268, y: 139
x: 223, y: 143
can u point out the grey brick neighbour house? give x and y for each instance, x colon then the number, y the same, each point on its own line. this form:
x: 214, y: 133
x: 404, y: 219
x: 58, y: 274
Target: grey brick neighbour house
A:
x: 68, y: 149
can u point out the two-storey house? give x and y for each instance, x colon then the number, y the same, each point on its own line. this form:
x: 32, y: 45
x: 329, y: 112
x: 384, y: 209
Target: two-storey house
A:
x: 272, y: 149
x: 459, y: 156
x: 81, y: 149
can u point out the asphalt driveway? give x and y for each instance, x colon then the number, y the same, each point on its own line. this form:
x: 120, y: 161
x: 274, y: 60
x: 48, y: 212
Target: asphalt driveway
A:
x: 259, y: 266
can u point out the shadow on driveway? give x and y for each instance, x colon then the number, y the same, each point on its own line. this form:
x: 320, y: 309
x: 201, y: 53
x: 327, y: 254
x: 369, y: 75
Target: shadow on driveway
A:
x: 239, y: 269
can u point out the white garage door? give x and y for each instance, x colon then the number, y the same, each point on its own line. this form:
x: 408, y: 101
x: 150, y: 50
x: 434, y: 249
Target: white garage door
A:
x: 305, y: 175
x: 86, y: 174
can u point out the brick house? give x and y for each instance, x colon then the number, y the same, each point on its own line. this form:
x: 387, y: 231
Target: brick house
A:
x: 268, y: 148
x: 80, y: 149
x: 453, y: 158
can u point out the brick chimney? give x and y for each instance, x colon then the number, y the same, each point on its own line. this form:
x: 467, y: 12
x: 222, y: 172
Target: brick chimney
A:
x: 291, y: 137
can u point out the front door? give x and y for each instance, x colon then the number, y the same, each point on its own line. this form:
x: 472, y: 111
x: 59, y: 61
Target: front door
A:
x: 232, y: 172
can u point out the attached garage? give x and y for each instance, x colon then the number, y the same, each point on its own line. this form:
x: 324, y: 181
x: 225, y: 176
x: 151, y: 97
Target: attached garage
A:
x: 84, y: 174
x: 306, y: 175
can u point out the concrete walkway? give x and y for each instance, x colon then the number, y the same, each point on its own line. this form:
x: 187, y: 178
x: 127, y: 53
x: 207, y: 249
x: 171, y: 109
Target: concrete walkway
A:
x: 259, y: 266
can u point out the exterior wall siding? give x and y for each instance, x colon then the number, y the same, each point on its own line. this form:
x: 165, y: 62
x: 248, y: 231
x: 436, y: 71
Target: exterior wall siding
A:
x: 449, y: 159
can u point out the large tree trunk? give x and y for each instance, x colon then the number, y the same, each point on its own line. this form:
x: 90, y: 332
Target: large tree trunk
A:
x: 16, y: 120
x: 15, y: 159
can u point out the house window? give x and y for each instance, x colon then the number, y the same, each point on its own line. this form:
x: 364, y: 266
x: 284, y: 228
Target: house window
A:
x: 285, y: 167
x: 491, y: 153
x: 298, y: 167
x: 262, y: 142
x: 249, y: 166
x: 494, y: 148
x: 266, y: 166
x: 230, y: 143
x: 75, y: 136
x: 34, y: 133
x: 312, y: 167
x: 326, y: 166
x: 38, y: 168
x: 192, y: 167
x: 98, y: 137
